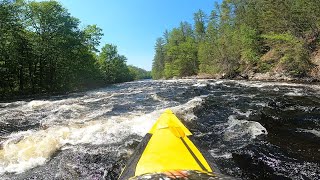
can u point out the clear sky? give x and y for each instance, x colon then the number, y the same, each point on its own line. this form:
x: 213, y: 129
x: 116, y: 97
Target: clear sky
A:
x: 134, y: 25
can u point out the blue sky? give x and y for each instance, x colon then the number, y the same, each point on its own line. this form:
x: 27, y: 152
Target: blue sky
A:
x: 134, y: 25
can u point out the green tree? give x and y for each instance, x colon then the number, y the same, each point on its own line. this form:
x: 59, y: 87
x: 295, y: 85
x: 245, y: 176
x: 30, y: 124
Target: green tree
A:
x: 200, y: 19
x: 15, y: 50
x: 159, y: 60
x: 138, y: 73
x: 208, y: 48
x: 93, y: 36
x: 42, y: 49
x: 113, y: 65
x: 181, y: 52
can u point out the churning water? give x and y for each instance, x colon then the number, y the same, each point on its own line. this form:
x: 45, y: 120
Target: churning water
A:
x: 252, y: 130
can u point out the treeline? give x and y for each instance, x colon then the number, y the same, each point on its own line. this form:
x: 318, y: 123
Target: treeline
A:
x: 242, y: 36
x: 43, y: 50
x: 138, y: 73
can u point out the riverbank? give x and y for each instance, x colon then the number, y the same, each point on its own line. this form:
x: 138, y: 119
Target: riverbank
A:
x: 258, y: 77
x: 277, y: 73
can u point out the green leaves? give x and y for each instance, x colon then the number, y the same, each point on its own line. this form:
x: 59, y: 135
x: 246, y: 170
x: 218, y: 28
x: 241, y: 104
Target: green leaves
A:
x: 93, y: 36
x: 158, y: 63
x: 243, y: 36
x: 293, y: 56
x: 113, y: 65
x: 177, y: 56
x: 43, y: 50
x: 138, y: 73
x: 274, y: 38
x: 200, y: 19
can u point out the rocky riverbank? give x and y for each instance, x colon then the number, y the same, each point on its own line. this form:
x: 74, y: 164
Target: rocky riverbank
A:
x: 277, y: 73
x: 268, y: 76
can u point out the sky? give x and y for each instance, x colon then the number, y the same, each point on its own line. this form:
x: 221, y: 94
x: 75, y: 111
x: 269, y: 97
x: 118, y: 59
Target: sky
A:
x: 134, y: 25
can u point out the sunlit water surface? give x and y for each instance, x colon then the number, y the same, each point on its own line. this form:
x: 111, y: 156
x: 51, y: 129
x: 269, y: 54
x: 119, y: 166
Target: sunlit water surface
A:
x: 251, y: 130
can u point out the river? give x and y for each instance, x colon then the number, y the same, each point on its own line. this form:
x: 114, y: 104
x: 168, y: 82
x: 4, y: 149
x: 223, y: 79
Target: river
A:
x: 252, y: 130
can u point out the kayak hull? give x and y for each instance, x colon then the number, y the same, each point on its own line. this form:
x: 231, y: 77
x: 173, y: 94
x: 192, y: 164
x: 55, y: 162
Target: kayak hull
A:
x: 166, y: 147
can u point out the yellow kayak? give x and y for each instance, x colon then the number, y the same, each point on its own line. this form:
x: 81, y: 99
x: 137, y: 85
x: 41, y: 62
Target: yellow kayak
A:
x: 165, y: 148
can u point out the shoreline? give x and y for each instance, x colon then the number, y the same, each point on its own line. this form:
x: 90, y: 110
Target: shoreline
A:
x: 266, y: 77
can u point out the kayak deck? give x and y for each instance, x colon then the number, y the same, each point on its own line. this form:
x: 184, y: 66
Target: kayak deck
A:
x: 166, y: 147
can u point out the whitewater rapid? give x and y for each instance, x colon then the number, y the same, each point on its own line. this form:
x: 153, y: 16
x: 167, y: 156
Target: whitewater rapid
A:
x: 69, y: 122
x: 36, y: 134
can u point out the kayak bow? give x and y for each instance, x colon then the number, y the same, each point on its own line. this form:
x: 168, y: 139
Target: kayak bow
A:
x: 166, y: 147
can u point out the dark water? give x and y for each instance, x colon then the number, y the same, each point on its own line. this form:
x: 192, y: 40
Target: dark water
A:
x: 251, y: 130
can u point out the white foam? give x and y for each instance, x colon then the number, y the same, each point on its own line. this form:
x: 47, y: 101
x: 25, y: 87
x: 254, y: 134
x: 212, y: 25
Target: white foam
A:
x: 128, y: 92
x: 217, y: 82
x: 25, y: 150
x: 3, y: 105
x: 156, y: 97
x: 37, y: 104
x: 276, y: 89
x: 312, y: 131
x: 199, y: 85
x: 261, y: 104
x: 294, y: 94
x: 23, y: 165
x: 28, y: 149
x: 95, y: 114
x: 238, y: 128
x: 90, y: 100
x: 247, y: 113
x: 67, y: 107
x: 66, y: 113
x: 272, y: 162
x: 185, y: 111
x: 218, y: 154
x: 260, y: 84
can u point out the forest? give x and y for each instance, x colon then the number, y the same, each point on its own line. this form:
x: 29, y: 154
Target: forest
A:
x: 44, y: 50
x: 240, y: 37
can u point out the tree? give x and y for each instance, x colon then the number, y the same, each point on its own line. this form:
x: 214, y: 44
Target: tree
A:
x: 181, y: 52
x: 93, y: 35
x: 186, y: 62
x: 208, y: 48
x: 15, y: 50
x: 159, y: 60
x: 244, y: 36
x: 200, y: 19
x: 43, y: 50
x: 113, y: 65
x: 138, y: 73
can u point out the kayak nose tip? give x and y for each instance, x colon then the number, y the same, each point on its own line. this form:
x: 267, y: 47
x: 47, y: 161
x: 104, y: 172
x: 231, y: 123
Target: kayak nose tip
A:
x: 168, y: 111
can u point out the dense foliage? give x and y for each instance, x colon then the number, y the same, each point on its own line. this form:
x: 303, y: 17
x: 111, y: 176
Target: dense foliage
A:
x: 138, y: 73
x: 241, y: 36
x: 43, y: 50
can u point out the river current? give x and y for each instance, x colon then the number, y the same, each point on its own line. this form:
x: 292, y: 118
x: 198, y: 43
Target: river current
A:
x: 251, y: 130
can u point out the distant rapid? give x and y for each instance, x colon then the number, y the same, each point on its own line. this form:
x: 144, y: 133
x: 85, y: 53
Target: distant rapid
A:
x: 251, y: 130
